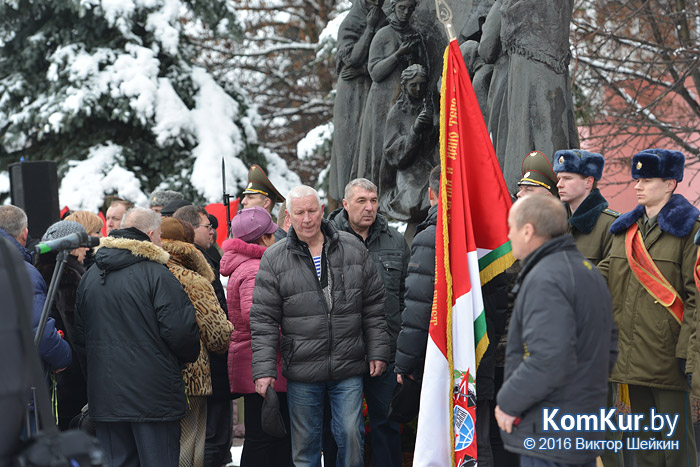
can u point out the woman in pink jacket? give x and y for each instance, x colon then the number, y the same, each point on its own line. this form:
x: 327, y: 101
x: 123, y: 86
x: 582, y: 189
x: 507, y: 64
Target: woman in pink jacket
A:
x: 253, y: 231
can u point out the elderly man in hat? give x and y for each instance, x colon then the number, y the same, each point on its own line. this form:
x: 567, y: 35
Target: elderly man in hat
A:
x: 589, y: 217
x: 161, y: 198
x: 650, y: 274
x: 538, y: 176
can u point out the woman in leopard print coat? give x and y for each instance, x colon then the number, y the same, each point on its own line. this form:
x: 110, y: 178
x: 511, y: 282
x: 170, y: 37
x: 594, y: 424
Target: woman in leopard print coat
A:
x: 194, y: 273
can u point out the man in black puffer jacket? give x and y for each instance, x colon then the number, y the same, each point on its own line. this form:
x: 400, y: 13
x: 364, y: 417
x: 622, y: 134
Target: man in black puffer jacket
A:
x: 319, y: 287
x: 390, y: 254
x: 134, y: 328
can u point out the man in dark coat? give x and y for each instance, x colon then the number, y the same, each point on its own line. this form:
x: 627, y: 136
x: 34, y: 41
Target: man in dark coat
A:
x: 14, y: 392
x: 55, y: 353
x: 319, y: 287
x: 134, y: 329
x: 390, y: 254
x: 561, y: 341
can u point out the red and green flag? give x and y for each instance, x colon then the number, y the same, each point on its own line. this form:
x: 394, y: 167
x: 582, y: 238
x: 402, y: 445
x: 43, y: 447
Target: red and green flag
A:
x: 472, y: 248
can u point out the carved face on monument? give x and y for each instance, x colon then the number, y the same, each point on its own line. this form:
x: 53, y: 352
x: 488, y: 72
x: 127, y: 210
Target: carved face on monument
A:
x: 415, y: 87
x: 403, y: 9
x: 373, y: 3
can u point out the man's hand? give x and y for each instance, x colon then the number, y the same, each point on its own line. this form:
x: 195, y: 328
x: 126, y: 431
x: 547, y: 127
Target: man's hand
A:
x: 505, y: 421
x: 399, y: 378
x: 376, y: 367
x: 261, y: 385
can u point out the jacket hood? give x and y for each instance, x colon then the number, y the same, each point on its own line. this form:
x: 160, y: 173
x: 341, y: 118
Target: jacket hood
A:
x: 189, y: 257
x: 116, y: 253
x: 588, y: 212
x: 340, y: 218
x: 676, y: 217
x: 26, y: 255
x: 236, y: 252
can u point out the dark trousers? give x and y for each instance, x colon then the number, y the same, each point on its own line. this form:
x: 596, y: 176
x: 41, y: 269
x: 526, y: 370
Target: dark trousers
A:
x: 217, y: 446
x: 483, y: 442
x: 527, y: 461
x: 259, y: 448
x: 385, y: 434
x: 147, y: 444
x: 501, y: 457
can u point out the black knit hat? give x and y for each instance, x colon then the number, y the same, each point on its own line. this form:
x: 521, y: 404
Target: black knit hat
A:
x: 270, y: 415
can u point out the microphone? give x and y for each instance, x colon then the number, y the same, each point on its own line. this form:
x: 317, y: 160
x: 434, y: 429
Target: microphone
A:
x: 69, y: 242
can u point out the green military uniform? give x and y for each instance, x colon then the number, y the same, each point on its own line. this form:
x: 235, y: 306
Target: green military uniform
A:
x: 652, y: 345
x: 537, y: 171
x: 590, y: 223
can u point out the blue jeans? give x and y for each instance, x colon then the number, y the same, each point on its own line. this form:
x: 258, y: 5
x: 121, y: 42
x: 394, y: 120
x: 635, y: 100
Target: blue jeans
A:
x: 306, y: 414
x: 527, y: 461
x: 385, y: 434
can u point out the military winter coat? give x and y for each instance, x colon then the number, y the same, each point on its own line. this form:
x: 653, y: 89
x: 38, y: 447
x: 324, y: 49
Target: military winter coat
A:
x: 194, y: 273
x: 650, y: 340
x: 134, y: 328
x: 318, y: 343
x: 590, y: 226
x: 390, y: 254
x: 561, y: 347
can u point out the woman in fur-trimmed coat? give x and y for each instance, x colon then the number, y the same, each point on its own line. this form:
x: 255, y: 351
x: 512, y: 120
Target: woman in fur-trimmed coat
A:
x: 194, y: 273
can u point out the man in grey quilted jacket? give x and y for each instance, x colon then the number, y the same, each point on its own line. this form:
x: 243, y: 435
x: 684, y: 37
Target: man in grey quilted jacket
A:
x: 321, y: 289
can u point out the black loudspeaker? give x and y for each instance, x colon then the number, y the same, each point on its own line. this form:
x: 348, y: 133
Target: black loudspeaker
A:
x: 34, y: 189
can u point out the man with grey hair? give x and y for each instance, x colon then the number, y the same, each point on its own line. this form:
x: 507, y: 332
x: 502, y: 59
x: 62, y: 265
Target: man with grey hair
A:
x: 320, y: 288
x: 55, y: 352
x: 390, y: 253
x: 134, y: 328
x: 561, y: 342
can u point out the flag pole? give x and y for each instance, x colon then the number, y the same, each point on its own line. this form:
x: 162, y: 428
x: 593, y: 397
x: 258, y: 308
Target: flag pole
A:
x: 444, y: 15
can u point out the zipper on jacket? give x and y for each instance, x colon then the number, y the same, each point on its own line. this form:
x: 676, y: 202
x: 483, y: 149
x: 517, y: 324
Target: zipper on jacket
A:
x: 325, y: 305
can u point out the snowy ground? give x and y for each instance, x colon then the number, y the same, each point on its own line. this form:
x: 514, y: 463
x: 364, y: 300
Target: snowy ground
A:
x: 236, y: 450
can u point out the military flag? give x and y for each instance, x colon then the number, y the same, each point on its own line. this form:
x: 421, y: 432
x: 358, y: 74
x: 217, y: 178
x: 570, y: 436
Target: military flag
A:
x: 472, y: 247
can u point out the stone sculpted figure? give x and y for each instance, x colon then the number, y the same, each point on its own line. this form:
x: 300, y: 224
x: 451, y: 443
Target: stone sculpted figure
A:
x: 394, y: 47
x: 354, y: 38
x: 491, y: 52
x: 535, y: 35
x: 410, y: 141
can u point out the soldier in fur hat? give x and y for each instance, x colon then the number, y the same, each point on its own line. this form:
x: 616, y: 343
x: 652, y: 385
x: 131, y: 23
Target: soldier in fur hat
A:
x: 578, y: 172
x: 650, y: 274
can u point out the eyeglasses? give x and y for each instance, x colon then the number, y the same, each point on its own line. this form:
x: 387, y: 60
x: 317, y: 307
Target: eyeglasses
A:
x: 207, y: 226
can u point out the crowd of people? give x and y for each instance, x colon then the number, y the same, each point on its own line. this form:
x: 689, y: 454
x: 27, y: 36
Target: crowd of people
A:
x: 146, y: 347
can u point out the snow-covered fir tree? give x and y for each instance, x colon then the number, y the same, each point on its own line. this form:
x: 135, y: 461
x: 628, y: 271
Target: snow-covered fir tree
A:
x: 109, y: 90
